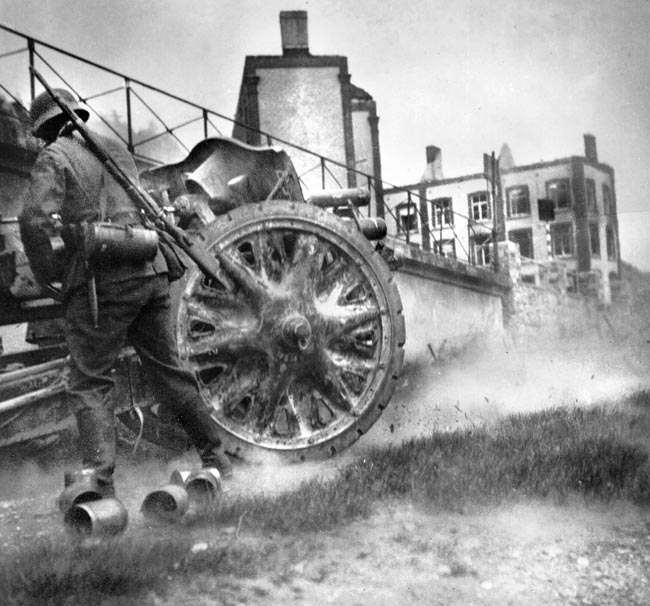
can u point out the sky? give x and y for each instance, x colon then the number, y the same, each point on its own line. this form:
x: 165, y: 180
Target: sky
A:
x: 465, y: 75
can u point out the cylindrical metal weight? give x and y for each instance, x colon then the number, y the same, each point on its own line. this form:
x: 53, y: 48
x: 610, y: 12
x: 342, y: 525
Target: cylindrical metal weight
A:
x: 169, y: 503
x: 108, y: 241
x: 204, y: 485
x: 105, y: 517
x: 373, y: 228
x: 178, y: 477
x: 80, y: 487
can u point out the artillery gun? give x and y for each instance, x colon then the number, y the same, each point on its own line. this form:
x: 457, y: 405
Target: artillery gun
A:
x: 296, y: 344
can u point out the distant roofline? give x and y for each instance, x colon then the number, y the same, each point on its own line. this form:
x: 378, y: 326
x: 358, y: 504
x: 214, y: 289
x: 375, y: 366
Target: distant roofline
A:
x: 515, y: 169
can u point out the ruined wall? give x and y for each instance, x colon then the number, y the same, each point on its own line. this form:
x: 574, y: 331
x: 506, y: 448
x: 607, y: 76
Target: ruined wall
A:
x: 448, y: 306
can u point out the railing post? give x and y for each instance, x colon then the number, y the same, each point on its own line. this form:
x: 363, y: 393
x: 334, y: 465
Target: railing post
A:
x: 129, y: 124
x: 408, y: 218
x: 32, y: 79
x: 322, y: 171
x: 205, y: 123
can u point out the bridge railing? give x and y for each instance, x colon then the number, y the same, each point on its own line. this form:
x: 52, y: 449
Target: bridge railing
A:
x: 159, y: 127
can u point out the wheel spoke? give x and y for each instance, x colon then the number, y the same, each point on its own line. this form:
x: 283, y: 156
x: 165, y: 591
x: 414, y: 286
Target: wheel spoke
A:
x: 307, y: 260
x: 233, y: 392
x: 243, y: 276
x: 231, y: 341
x: 218, y: 315
x: 341, y: 320
x: 216, y: 297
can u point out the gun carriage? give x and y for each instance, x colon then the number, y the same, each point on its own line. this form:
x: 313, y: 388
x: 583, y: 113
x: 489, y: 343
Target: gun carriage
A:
x: 295, y: 334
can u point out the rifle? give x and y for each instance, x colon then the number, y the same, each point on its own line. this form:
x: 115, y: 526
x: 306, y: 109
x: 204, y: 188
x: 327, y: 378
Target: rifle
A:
x: 208, y: 264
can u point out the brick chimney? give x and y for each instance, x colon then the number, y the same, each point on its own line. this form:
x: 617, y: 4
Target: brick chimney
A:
x: 295, y: 37
x: 433, y: 171
x: 591, y: 153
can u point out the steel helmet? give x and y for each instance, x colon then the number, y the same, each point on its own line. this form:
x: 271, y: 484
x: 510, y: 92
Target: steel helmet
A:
x: 44, y: 108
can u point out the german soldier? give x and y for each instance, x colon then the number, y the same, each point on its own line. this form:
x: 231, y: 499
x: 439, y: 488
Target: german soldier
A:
x: 109, y: 302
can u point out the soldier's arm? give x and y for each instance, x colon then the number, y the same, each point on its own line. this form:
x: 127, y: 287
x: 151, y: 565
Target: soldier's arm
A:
x: 42, y: 201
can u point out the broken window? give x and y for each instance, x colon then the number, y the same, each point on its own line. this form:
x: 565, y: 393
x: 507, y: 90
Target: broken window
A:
x: 611, y: 243
x: 408, y: 219
x: 523, y: 237
x: 592, y: 205
x: 594, y: 239
x: 445, y: 248
x: 562, y: 239
x: 518, y: 200
x: 608, y: 208
x: 479, y: 206
x: 558, y: 191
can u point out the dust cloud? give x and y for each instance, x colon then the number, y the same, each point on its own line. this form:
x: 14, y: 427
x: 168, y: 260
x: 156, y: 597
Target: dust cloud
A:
x: 515, y: 374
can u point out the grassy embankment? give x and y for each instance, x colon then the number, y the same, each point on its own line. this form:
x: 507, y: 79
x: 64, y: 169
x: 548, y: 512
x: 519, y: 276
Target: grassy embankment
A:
x: 599, y: 453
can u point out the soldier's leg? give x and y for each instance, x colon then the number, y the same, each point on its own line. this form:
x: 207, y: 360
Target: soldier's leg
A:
x: 152, y: 336
x: 93, y: 353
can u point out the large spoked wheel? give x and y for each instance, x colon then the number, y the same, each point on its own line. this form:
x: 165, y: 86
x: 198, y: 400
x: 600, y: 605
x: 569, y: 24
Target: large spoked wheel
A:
x: 298, y: 347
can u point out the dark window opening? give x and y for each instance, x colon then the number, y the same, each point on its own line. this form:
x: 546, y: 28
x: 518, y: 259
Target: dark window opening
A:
x: 611, y: 243
x: 608, y: 208
x: 407, y: 218
x: 594, y: 239
x: 445, y: 248
x: 559, y: 192
x: 523, y: 237
x: 562, y: 239
x: 592, y: 205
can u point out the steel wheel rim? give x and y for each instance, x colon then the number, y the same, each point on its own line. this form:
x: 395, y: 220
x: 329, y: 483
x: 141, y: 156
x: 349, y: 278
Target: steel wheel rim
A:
x: 293, y: 351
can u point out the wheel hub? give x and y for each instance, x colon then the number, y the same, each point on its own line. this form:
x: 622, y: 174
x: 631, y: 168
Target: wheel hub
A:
x: 296, y: 332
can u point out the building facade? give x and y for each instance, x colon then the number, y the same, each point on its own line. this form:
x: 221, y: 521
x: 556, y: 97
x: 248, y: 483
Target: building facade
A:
x: 309, y: 101
x: 456, y: 217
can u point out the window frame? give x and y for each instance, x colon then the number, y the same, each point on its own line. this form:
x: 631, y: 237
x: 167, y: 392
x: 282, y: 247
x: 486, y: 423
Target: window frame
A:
x: 472, y: 204
x: 437, y: 214
x: 556, y: 229
x: 590, y: 193
x: 610, y: 238
x: 529, y: 232
x: 594, y: 228
x: 608, y: 199
x: 439, y: 247
x: 484, y: 248
x: 512, y: 189
x: 549, y: 195
x: 401, y: 229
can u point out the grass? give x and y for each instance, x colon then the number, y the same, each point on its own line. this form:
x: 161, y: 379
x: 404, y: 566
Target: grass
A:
x: 599, y: 453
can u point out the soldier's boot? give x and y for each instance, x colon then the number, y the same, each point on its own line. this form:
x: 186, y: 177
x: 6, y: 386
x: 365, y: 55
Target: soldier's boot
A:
x: 97, y: 443
x: 216, y: 456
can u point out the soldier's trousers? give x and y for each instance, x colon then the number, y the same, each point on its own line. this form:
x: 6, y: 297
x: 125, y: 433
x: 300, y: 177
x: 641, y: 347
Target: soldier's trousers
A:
x: 138, y: 312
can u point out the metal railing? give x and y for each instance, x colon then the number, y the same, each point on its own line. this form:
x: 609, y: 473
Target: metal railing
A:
x: 137, y: 103
x: 474, y: 253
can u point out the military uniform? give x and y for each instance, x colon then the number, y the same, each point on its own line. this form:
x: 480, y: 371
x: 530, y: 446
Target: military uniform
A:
x: 132, y: 300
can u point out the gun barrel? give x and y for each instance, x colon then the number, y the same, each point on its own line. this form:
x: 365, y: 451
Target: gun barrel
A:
x: 327, y: 198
